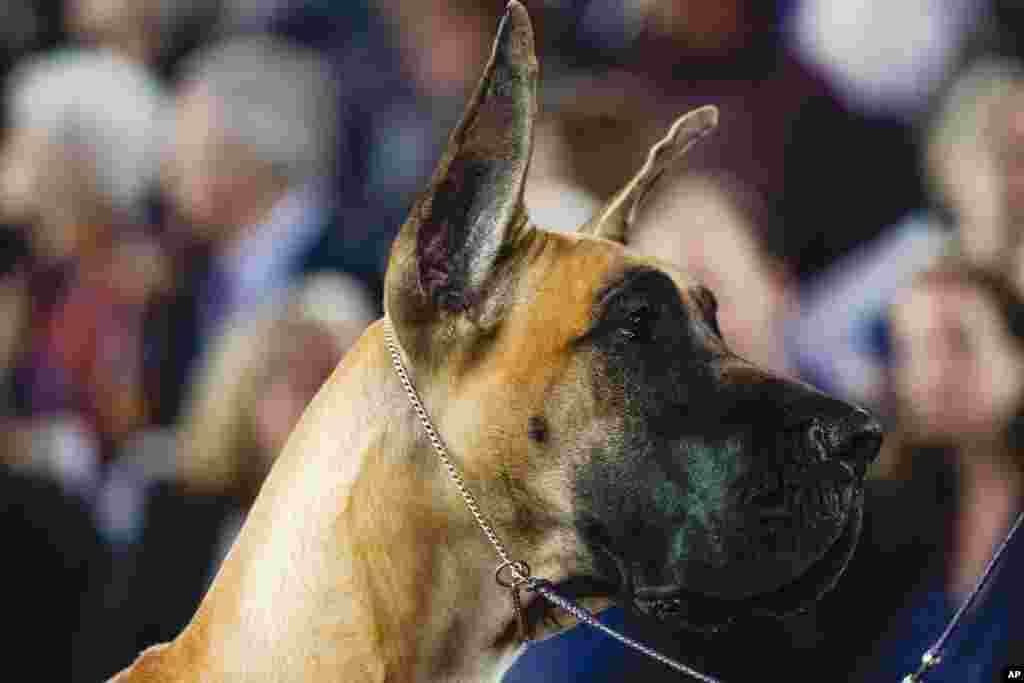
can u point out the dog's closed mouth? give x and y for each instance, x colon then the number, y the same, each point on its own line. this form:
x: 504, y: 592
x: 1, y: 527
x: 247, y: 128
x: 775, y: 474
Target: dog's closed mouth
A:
x: 700, y: 612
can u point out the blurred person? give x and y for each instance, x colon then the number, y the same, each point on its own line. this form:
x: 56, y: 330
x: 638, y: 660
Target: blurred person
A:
x: 433, y: 47
x: 402, y: 80
x: 250, y: 395
x: 936, y: 503
x: 79, y: 163
x: 553, y: 197
x: 842, y: 337
x: 958, y: 380
x: 844, y: 342
x: 436, y: 63
x: 82, y: 150
x: 250, y: 392
x: 153, y: 33
x: 685, y: 54
x: 249, y: 174
x: 381, y: 128
x: 784, y: 120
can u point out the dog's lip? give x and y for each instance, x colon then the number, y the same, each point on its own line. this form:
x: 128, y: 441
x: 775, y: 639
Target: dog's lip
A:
x: 787, y: 599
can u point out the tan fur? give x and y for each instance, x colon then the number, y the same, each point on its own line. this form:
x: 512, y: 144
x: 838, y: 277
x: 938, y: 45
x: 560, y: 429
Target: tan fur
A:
x: 359, y: 560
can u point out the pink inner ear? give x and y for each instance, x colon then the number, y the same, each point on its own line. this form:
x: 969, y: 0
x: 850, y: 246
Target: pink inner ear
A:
x: 432, y: 247
x: 493, y: 133
x: 478, y: 185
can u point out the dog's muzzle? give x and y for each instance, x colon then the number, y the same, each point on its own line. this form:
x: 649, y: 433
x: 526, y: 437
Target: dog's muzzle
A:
x: 790, y: 527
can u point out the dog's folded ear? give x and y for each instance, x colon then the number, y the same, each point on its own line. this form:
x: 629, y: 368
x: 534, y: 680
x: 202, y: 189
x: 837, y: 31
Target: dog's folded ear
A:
x: 452, y: 239
x: 614, y: 220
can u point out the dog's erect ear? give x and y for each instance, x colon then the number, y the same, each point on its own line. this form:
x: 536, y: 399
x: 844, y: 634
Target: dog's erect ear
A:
x: 614, y: 220
x: 453, y: 236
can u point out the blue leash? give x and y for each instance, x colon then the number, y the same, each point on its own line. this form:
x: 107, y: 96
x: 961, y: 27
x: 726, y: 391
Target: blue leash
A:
x: 933, y: 655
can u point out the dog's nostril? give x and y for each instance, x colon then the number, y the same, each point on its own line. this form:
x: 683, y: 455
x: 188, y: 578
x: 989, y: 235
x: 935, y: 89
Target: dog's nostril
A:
x: 857, y: 442
x: 863, y: 448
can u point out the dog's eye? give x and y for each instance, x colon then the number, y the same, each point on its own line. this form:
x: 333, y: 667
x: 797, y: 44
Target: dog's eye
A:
x: 639, y: 324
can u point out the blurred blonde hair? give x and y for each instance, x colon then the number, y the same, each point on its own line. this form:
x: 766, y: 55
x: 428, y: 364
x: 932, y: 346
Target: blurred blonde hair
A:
x: 218, y: 451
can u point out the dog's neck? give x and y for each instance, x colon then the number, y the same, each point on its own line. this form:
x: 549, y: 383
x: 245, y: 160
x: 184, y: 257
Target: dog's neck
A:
x: 376, y: 572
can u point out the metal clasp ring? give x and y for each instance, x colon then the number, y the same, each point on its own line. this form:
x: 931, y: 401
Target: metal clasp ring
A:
x: 517, y: 567
x: 521, y: 575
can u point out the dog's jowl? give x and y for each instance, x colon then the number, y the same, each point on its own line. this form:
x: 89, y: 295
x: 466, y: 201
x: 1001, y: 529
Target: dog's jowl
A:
x: 594, y: 408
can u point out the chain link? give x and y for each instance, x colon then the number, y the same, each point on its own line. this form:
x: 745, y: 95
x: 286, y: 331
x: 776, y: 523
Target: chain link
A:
x: 442, y: 453
x: 518, y: 568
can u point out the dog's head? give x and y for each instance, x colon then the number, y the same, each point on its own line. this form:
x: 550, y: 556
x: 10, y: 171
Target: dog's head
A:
x: 591, y: 400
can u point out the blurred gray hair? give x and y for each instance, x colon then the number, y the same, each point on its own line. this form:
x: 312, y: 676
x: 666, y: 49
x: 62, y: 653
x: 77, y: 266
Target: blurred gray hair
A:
x: 277, y: 99
x: 97, y: 102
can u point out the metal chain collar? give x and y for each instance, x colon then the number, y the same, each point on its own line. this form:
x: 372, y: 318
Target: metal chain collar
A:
x: 519, y: 570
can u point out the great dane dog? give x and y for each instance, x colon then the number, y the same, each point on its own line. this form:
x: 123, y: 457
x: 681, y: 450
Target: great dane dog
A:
x: 612, y: 438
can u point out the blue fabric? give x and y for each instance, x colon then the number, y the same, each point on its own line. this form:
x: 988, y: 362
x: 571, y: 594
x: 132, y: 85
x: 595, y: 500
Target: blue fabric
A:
x: 842, y: 331
x: 878, y: 338
x: 977, y: 651
x: 581, y: 653
x: 213, y: 302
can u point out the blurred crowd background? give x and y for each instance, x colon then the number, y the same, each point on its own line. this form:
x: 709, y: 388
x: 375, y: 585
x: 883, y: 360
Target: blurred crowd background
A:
x: 197, y: 199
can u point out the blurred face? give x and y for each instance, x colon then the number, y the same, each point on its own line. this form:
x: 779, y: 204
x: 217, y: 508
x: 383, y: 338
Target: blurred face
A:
x: 958, y: 373
x: 441, y: 40
x: 45, y: 187
x: 293, y: 381
x: 26, y: 163
x: 207, y: 176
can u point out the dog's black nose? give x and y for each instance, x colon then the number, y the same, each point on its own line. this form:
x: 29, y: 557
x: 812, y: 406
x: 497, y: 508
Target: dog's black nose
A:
x: 831, y: 439
x: 852, y: 440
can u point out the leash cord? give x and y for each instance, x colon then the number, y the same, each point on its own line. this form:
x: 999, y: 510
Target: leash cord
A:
x: 934, y: 654
x: 519, y: 569
x: 545, y: 589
